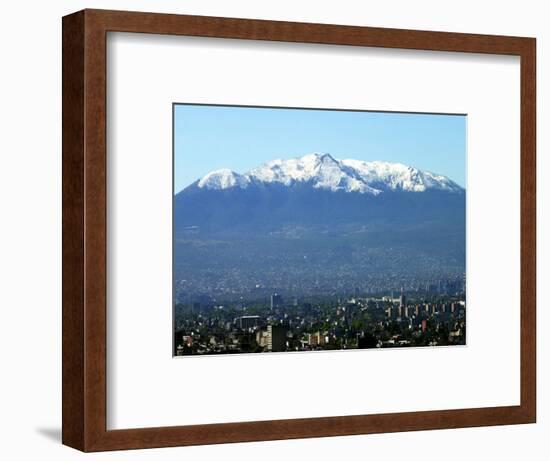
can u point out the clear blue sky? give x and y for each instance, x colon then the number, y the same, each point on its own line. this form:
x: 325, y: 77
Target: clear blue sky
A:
x: 240, y: 138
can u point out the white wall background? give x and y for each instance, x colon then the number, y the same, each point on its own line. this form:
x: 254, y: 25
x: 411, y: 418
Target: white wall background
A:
x: 30, y: 232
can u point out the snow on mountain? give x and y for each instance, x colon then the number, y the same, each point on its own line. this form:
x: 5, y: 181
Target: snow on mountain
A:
x: 223, y: 179
x: 322, y: 171
x: 397, y: 176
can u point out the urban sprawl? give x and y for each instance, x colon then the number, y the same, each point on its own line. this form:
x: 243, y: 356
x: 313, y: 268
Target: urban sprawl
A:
x: 280, y: 324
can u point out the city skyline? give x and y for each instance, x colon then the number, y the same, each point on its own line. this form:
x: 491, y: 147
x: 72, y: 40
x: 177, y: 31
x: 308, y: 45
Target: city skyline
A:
x: 435, y: 318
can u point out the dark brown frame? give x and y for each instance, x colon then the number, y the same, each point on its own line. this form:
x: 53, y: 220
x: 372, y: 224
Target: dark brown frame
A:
x: 84, y: 229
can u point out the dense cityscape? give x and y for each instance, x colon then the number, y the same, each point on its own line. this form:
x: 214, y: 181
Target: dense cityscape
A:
x: 434, y: 315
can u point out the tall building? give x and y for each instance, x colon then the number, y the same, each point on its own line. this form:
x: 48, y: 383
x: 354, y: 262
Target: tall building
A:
x: 276, y: 338
x: 261, y: 338
x: 276, y: 300
x: 402, y: 300
x: 248, y: 321
x: 317, y: 339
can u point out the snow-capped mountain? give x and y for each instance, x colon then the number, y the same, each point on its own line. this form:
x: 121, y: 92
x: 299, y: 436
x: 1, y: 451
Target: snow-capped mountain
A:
x: 322, y: 171
x: 318, y: 215
x: 316, y: 221
x: 319, y: 192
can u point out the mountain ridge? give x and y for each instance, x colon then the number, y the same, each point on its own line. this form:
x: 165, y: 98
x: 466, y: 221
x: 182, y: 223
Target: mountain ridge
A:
x: 323, y: 171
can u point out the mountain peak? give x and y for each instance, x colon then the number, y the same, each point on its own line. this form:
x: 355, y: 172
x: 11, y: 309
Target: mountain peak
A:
x: 319, y: 157
x: 223, y: 179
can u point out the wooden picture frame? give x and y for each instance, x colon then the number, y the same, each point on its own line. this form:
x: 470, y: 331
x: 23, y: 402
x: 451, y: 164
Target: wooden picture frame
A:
x: 85, y: 221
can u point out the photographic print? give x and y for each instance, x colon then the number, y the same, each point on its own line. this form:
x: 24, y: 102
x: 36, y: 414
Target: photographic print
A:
x: 317, y: 229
